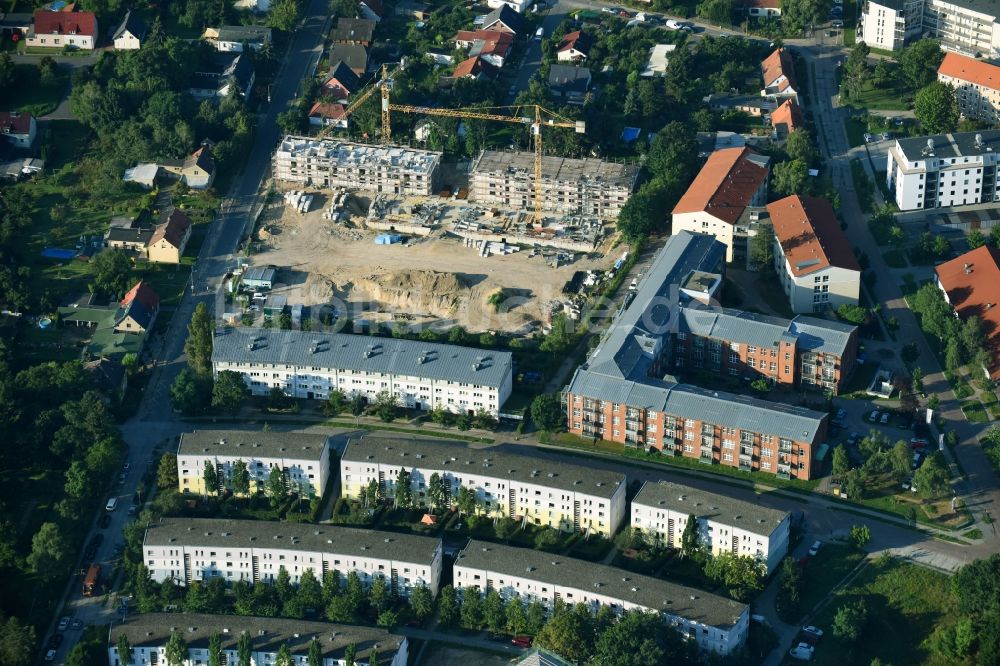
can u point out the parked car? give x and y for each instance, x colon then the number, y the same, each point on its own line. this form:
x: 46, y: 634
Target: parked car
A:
x: 521, y: 641
x: 918, y: 459
x: 63, y: 624
x: 841, y: 414
x: 853, y: 439
x: 759, y: 619
x: 50, y: 655
x: 802, y: 652
x: 886, y: 136
x: 873, y: 417
x: 918, y: 443
x: 77, y: 624
x: 885, y: 418
x: 813, y: 549
x: 837, y: 24
x: 609, y: 10
x: 815, y: 631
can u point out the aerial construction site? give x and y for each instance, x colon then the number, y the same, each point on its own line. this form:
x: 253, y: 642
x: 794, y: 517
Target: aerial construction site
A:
x: 397, y: 234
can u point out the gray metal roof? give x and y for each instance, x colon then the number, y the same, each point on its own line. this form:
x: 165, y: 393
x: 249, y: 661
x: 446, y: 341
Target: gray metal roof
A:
x: 268, y: 633
x: 292, y: 536
x: 715, y: 407
x: 457, y: 458
x: 653, y: 593
x: 957, y: 144
x: 718, y: 508
x: 252, y: 444
x: 362, y: 353
x: 259, y: 273
x: 810, y: 333
x: 244, y: 33
x: 627, y: 349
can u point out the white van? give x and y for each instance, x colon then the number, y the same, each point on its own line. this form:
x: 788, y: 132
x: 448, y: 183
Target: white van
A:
x: 539, y: 34
x: 112, y: 504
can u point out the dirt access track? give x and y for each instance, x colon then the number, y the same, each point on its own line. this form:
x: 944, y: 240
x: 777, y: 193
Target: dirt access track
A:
x: 435, y: 280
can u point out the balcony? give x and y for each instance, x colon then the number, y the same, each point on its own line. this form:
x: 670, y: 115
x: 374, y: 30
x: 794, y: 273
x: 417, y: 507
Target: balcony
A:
x: 746, y: 451
x: 745, y: 466
x: 706, y: 459
x: 784, y: 448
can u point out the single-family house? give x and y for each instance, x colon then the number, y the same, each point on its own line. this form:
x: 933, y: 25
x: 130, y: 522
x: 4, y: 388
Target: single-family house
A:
x: 658, y: 60
x: 108, y: 376
x: 763, y: 8
x: 197, y: 170
x: 59, y: 30
x: 233, y: 38
x: 371, y: 10
x: 130, y: 34
x: 138, y: 310
x: 504, y: 19
x: 812, y: 256
x: 779, y: 75
x: 166, y: 246
x: 18, y: 129
x: 474, y: 68
x: 574, y: 47
x: 492, y: 46
x: 752, y: 105
x: 323, y: 114
x: 129, y: 235
x: 415, y: 10
x: 341, y: 82
x: 354, y: 56
x: 519, y: 6
x: 233, y: 74
x: 353, y: 31
x: 786, y: 119
x: 569, y: 83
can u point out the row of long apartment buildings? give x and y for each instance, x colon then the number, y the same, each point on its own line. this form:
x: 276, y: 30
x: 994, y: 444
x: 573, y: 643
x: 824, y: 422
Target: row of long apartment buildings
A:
x: 544, y: 492
x: 590, y: 187
x: 628, y: 391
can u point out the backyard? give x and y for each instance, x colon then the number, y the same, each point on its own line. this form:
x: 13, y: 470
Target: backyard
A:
x: 33, y: 94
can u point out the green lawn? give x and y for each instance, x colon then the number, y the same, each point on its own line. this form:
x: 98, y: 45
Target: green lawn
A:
x: 906, y: 603
x: 974, y: 411
x: 824, y: 571
x: 29, y: 95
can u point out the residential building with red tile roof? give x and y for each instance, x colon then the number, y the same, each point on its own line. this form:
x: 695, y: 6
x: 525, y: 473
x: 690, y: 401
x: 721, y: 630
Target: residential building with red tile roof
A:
x: 977, y: 86
x: 474, y: 68
x: 763, y: 8
x: 574, y: 47
x: 169, y: 239
x: 731, y: 181
x: 786, y: 119
x: 779, y: 75
x: 494, y: 47
x: 323, y: 114
x: 812, y: 256
x: 18, y: 129
x: 971, y: 284
x: 59, y: 30
x: 137, y: 310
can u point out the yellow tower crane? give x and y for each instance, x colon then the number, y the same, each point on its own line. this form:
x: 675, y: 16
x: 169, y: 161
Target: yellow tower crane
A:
x: 541, y: 117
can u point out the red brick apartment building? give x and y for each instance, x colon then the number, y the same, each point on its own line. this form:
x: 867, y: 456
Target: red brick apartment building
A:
x: 623, y: 394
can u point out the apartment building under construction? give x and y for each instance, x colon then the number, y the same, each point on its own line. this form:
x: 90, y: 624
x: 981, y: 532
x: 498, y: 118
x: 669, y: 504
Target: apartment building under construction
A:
x: 586, y: 186
x: 334, y: 163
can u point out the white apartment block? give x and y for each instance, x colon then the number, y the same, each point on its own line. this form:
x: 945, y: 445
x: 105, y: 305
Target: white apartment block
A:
x: 422, y: 375
x: 725, y: 525
x: 334, y: 163
x: 197, y: 549
x: 586, y: 186
x: 944, y: 170
x: 717, y: 624
x: 976, y: 84
x: 963, y: 26
x: 560, y: 495
x: 148, y: 633
x: 721, y: 199
x: 812, y: 256
x: 303, y: 459
x: 888, y: 24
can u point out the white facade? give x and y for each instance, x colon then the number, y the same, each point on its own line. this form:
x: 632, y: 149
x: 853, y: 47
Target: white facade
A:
x: 887, y: 24
x: 253, y: 553
x: 949, y: 171
x: 127, y: 42
x: 519, y: 6
x: 962, y: 27
x: 147, y: 655
x: 596, y: 585
x: 825, y: 289
x: 315, y: 378
x: 744, y: 531
x: 508, y: 488
x: 734, y: 236
x: 223, y: 449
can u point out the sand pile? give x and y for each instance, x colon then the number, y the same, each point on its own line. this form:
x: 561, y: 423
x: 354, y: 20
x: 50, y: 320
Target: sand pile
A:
x: 416, y: 291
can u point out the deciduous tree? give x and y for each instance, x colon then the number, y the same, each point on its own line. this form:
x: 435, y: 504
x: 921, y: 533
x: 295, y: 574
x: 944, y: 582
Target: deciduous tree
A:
x: 546, y: 412
x: 936, y: 108
x: 50, y: 552
x: 229, y: 392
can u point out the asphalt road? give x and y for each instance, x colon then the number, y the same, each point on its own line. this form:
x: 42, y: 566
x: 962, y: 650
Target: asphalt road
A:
x: 154, y: 425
